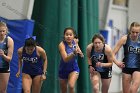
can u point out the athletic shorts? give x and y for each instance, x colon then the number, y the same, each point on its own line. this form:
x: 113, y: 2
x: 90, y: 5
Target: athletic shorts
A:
x: 33, y: 76
x: 106, y: 75
x: 66, y: 75
x: 2, y: 70
x: 130, y: 70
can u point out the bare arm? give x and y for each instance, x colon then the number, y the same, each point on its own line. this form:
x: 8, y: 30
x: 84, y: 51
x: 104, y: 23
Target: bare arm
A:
x: 119, y: 44
x: 78, y: 48
x: 44, y: 57
x: 63, y: 53
x: 10, y: 46
x: 19, y: 61
x: 117, y: 47
x: 88, y: 52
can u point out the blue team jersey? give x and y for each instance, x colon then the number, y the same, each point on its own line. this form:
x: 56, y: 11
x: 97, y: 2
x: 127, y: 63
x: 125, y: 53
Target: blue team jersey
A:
x: 99, y: 57
x: 66, y: 67
x: 132, y: 53
x: 32, y: 64
x: 3, y: 46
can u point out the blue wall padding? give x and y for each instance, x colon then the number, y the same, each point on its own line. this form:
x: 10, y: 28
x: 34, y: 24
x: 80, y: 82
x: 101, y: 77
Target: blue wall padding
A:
x: 105, y: 35
x: 18, y: 29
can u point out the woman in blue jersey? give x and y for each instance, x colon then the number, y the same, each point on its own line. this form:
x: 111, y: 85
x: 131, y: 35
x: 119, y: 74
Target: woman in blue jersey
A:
x: 34, y: 68
x: 131, y: 62
x: 100, y: 60
x: 68, y: 68
x: 6, y: 52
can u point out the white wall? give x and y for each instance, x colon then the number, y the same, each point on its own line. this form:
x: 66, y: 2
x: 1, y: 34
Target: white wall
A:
x: 103, y: 8
x: 16, y: 9
x: 134, y: 11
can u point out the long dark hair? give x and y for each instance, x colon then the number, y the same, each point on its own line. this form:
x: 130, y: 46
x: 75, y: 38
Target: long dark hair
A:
x: 98, y: 36
x: 29, y: 42
x: 69, y: 28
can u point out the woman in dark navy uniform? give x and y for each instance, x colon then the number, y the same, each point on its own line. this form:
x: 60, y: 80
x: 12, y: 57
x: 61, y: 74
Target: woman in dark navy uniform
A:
x: 34, y: 68
x: 100, y: 60
x: 68, y: 68
x: 6, y: 52
x: 131, y: 61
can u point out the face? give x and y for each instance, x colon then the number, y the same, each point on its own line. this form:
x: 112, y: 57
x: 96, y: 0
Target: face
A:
x: 134, y: 33
x: 69, y: 36
x: 30, y: 49
x: 3, y: 31
x: 98, y: 44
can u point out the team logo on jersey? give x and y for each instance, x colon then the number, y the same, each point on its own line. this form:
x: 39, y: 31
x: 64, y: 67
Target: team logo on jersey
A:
x: 32, y: 59
x: 99, y: 57
x: 132, y: 49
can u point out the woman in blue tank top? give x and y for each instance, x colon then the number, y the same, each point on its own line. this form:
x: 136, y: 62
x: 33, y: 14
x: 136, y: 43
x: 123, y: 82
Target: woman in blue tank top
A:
x: 131, y: 62
x: 34, y: 60
x: 68, y: 68
x: 6, y: 52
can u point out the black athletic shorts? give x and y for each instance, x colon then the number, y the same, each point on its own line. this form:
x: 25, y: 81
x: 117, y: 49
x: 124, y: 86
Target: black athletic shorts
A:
x: 106, y: 75
x: 130, y: 70
x: 2, y: 70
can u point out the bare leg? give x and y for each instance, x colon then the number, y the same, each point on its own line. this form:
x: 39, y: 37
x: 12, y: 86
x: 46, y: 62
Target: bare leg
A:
x: 72, y: 80
x: 135, y: 82
x: 63, y: 85
x: 36, y: 85
x: 105, y: 85
x: 26, y: 83
x: 126, y: 82
x: 95, y: 80
x: 4, y: 78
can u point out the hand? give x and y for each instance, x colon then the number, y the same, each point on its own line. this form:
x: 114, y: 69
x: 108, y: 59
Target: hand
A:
x: 18, y: 74
x: 81, y: 54
x: 121, y: 64
x: 43, y: 77
x: 78, y: 51
x: 98, y: 64
x: 1, y: 52
x: 91, y: 70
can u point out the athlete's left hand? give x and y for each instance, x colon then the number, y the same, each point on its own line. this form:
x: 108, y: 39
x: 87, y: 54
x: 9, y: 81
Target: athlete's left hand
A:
x: 43, y: 77
x: 98, y: 64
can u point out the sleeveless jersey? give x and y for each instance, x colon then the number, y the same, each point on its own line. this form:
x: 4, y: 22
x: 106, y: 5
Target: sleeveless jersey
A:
x: 99, y: 57
x: 3, y: 46
x: 131, y: 53
x: 71, y: 65
x: 32, y: 64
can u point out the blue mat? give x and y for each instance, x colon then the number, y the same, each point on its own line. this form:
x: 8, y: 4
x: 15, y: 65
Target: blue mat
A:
x: 18, y: 29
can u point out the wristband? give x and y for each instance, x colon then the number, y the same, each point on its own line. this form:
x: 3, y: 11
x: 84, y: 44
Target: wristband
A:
x: 89, y: 66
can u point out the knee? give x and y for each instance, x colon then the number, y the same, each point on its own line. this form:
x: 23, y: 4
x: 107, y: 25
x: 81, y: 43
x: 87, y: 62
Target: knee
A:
x: 96, y: 88
x: 26, y: 91
x: 2, y: 91
x: 133, y: 89
x: 71, y: 86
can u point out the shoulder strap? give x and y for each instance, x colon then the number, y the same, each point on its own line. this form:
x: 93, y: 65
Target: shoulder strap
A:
x: 6, y: 40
